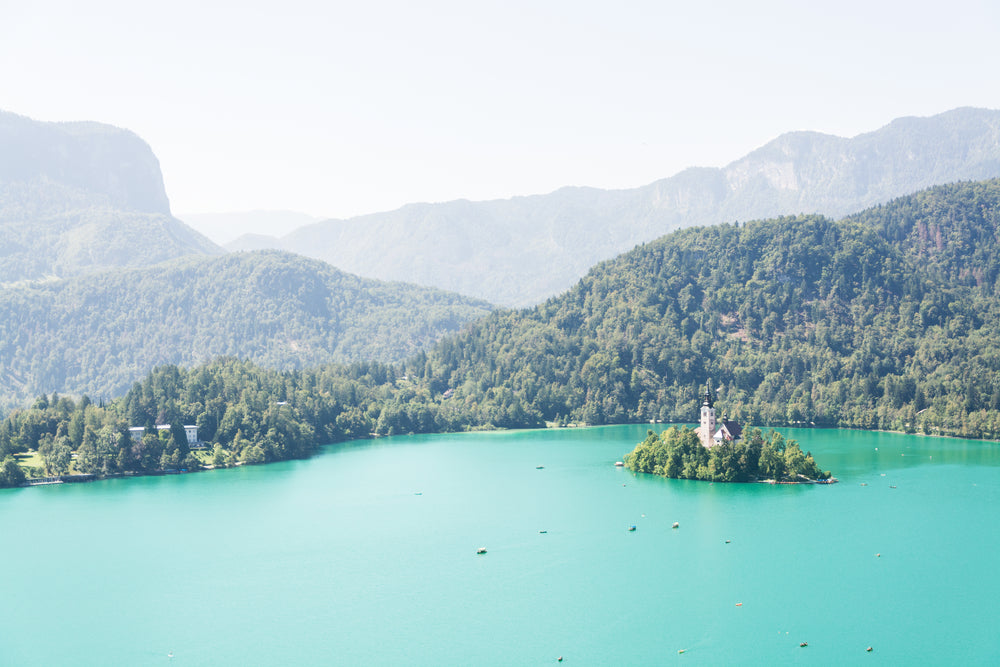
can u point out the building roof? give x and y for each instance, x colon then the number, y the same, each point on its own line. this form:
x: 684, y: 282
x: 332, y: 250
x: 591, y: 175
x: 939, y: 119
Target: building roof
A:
x: 733, y: 429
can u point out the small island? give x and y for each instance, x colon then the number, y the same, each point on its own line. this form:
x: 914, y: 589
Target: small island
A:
x: 729, y: 453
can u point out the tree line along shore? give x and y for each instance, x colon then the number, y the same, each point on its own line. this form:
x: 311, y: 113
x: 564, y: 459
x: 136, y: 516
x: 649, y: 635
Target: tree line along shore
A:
x: 885, y: 320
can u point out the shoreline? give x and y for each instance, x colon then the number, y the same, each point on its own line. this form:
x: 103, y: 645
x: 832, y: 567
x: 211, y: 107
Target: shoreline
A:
x: 77, y: 478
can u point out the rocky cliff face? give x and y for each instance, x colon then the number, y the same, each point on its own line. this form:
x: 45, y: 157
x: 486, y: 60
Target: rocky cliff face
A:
x: 82, y: 197
x: 97, y: 163
x: 808, y: 172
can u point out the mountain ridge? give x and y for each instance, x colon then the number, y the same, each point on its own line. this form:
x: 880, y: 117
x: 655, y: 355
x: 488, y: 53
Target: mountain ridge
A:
x: 522, y: 250
x: 221, y: 227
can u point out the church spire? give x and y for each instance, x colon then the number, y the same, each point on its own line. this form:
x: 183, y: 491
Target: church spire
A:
x: 709, y: 400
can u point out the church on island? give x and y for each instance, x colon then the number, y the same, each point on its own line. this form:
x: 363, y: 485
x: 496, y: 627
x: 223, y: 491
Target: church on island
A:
x: 711, y: 432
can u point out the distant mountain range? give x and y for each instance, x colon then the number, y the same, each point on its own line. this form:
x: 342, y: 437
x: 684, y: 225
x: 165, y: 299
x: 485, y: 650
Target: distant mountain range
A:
x: 82, y: 197
x: 98, y: 334
x: 523, y: 250
x: 226, y: 227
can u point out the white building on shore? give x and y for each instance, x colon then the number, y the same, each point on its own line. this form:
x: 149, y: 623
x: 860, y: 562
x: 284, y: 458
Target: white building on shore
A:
x: 190, y: 431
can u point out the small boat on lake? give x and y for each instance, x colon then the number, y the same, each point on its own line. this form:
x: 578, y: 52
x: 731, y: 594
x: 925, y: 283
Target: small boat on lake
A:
x: 631, y: 528
x: 619, y: 464
x: 481, y: 550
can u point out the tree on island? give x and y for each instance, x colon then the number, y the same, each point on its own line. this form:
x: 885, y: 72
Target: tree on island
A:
x: 678, y: 453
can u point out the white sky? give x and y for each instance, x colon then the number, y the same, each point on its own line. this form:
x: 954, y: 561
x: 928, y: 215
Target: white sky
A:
x: 341, y: 108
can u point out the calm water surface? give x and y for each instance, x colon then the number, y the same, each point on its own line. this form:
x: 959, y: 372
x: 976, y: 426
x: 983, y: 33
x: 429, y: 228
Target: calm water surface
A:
x: 366, y: 554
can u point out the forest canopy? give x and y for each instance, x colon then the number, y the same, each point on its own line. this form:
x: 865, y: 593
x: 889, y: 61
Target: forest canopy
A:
x: 888, y: 319
x: 98, y: 334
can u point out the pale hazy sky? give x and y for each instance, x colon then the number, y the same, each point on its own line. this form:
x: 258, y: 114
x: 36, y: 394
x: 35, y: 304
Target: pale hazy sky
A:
x: 341, y: 108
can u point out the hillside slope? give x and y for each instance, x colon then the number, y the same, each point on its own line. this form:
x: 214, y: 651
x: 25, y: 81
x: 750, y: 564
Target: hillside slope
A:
x: 523, y: 250
x: 100, y: 333
x: 886, y: 319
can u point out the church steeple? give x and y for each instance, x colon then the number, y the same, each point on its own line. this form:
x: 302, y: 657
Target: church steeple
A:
x: 709, y: 400
x: 707, y: 428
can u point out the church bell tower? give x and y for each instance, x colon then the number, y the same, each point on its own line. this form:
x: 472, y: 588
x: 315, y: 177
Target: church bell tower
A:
x: 707, y: 428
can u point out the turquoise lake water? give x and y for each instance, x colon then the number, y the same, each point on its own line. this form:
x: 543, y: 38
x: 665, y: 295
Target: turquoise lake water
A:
x: 366, y: 554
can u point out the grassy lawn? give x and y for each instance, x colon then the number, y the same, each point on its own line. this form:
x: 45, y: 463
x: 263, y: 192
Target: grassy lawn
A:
x: 203, y: 455
x: 31, y: 463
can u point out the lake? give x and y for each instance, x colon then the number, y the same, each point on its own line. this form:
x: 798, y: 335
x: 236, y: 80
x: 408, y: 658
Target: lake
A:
x: 366, y: 554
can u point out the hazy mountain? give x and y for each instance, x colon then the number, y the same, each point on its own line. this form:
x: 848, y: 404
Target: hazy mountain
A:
x: 250, y: 242
x: 520, y: 251
x: 100, y: 333
x: 79, y: 197
x: 227, y: 227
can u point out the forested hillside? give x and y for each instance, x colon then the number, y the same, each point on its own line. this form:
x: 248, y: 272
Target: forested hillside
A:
x: 886, y: 319
x: 98, y: 334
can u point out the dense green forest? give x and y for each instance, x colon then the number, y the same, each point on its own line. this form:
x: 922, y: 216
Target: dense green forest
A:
x: 887, y: 319
x: 98, y: 334
x: 245, y: 414
x: 678, y: 453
